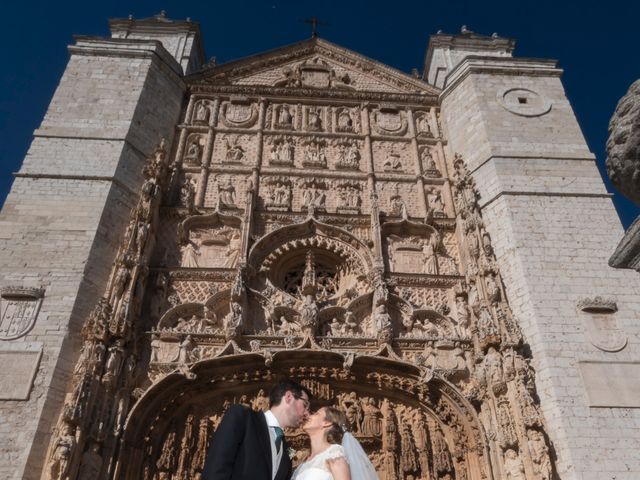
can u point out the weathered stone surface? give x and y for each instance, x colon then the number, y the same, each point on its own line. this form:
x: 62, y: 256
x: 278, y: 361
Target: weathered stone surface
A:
x: 623, y: 145
x: 311, y: 218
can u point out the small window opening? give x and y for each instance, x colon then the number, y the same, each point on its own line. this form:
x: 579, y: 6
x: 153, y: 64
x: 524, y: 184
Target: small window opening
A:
x: 522, y: 100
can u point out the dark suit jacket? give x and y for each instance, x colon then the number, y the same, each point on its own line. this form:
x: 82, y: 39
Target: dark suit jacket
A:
x: 241, y: 449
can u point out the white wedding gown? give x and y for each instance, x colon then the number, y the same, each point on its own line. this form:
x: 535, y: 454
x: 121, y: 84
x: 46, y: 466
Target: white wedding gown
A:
x: 316, y: 468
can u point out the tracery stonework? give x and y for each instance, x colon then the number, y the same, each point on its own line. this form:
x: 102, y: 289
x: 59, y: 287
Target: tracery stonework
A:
x: 335, y: 241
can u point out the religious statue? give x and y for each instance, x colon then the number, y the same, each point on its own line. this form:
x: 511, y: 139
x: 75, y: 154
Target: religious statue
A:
x: 372, y: 418
x: 314, y: 122
x: 284, y: 116
x: 309, y: 313
x: 345, y: 122
x: 513, y: 468
x: 190, y: 256
x: 434, y: 199
x: 193, y: 152
x: 539, y: 454
x: 202, y: 112
x: 227, y: 194
x: 430, y: 265
x: 64, y: 446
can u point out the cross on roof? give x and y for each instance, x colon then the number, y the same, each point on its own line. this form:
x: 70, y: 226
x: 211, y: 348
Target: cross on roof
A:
x: 314, y: 22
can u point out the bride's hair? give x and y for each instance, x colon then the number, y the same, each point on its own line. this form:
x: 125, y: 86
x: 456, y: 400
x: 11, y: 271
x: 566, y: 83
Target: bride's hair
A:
x: 338, y: 424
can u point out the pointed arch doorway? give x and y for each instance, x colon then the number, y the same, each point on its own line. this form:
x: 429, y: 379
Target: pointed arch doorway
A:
x: 412, y: 426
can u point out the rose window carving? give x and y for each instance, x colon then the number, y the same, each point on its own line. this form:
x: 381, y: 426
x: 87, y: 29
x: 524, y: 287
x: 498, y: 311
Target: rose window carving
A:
x: 327, y: 281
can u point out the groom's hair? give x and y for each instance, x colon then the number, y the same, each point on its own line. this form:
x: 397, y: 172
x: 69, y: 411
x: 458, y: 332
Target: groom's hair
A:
x: 283, y: 386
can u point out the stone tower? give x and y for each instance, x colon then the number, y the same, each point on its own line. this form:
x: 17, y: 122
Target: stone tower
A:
x: 414, y: 251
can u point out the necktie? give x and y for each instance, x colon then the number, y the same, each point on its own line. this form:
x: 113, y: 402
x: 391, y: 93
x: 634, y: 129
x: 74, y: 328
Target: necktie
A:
x: 279, y: 437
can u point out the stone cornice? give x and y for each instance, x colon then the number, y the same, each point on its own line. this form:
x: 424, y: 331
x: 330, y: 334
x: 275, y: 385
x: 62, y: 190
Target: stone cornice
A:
x: 315, y: 46
x: 534, y: 67
x: 132, y: 48
x: 300, y: 94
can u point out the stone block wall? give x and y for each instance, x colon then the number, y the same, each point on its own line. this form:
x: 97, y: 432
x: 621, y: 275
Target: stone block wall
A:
x: 63, y: 219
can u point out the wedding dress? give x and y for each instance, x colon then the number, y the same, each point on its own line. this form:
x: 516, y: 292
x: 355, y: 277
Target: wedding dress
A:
x: 316, y: 468
x: 359, y: 464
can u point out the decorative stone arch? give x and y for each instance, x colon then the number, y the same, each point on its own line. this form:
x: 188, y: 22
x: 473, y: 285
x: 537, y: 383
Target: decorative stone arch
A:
x: 409, y: 423
x: 279, y: 245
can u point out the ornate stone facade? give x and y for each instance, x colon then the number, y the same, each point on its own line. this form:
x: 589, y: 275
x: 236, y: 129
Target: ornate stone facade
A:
x: 352, y: 288
x: 309, y: 219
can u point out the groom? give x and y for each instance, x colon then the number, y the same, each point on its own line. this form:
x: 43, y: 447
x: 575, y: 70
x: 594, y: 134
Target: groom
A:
x: 250, y: 445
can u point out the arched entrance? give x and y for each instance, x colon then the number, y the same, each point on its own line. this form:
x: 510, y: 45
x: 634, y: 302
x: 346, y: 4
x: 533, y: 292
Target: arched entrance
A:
x: 411, y: 426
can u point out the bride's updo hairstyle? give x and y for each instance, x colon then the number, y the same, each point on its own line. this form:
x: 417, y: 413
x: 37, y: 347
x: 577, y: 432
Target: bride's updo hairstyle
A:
x: 338, y: 424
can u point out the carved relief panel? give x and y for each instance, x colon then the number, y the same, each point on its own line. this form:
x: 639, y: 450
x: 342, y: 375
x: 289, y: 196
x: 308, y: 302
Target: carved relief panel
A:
x: 194, y: 150
x: 346, y: 119
x: 210, y: 242
x: 429, y: 160
x: 202, y: 112
x: 393, y: 157
x: 275, y: 193
x: 239, y: 113
x: 398, y: 199
x: 389, y: 121
x: 280, y: 150
x: 226, y: 191
x: 19, y: 308
x: 284, y: 116
x: 234, y: 149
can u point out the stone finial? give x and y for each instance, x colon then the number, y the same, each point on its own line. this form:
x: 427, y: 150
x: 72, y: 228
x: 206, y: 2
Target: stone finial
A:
x: 623, y: 146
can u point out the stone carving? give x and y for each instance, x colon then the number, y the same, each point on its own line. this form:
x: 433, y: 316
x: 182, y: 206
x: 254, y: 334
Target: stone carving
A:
x: 239, y: 114
x: 389, y: 121
x: 600, y: 323
x: 278, y: 194
x: 622, y: 162
x: 349, y: 199
x: 345, y: 121
x: 513, y: 468
x: 226, y: 194
x: 314, y: 73
x: 348, y: 156
x: 434, y: 201
x: 423, y: 129
x: 397, y: 205
x: 217, y: 246
x: 284, y: 117
x: 193, y: 155
x: 235, y: 151
x: 19, y: 308
x: 392, y: 163
x: 413, y: 254
x: 202, y: 112
x: 315, y: 121
x: 623, y: 167
x: 282, y: 151
x: 188, y: 194
x: 63, y: 449
x: 429, y: 166
x: 314, y: 153
x: 314, y: 194
x: 540, y: 455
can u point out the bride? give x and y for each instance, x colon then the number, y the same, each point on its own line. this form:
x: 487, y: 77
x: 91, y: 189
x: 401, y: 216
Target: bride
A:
x: 335, y: 453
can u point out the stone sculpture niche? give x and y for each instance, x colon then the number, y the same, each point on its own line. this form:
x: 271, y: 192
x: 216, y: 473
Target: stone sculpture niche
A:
x: 412, y: 247
x: 210, y: 241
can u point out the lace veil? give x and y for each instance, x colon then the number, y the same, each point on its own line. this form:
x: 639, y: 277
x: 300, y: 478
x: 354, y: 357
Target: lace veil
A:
x: 359, y: 463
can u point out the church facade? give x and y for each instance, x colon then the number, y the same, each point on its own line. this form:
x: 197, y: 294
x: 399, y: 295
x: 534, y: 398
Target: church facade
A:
x: 428, y: 253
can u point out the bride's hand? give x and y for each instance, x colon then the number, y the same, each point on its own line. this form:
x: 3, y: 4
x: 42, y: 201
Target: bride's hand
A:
x: 339, y: 468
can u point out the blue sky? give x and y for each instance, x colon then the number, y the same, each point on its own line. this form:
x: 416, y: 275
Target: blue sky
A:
x: 595, y: 42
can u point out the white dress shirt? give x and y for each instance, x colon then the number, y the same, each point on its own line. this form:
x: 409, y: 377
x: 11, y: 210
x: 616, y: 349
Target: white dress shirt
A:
x: 276, y: 456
